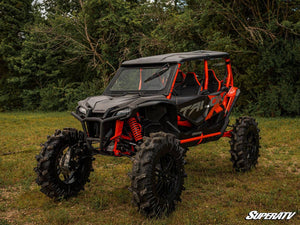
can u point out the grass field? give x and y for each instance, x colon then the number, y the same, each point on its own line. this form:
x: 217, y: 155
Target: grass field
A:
x: 215, y: 194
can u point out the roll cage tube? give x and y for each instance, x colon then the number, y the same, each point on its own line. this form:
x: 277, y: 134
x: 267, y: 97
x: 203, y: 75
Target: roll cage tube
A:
x: 229, y: 79
x: 206, y: 75
x: 174, y: 80
x: 140, y: 83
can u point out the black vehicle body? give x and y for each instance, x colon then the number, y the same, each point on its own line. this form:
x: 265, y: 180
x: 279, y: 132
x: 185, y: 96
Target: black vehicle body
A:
x: 152, y: 110
x: 160, y: 108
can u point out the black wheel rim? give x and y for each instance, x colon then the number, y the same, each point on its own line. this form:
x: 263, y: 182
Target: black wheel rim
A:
x: 165, y: 176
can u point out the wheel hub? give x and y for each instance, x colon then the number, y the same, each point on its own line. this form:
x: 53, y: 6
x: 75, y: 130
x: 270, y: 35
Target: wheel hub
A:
x: 64, y: 163
x: 165, y: 176
x: 251, y: 147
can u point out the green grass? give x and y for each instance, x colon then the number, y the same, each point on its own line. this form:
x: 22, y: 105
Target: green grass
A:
x: 214, y: 194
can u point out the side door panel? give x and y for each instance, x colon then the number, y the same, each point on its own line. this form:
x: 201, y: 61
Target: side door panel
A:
x: 192, y: 108
x: 198, y: 108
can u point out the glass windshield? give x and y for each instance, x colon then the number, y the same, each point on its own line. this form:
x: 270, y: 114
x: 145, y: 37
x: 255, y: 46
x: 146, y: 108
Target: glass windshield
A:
x: 142, y: 79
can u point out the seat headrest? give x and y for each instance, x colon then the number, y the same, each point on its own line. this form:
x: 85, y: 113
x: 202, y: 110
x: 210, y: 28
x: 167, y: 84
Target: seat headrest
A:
x: 191, y: 79
x: 180, y: 77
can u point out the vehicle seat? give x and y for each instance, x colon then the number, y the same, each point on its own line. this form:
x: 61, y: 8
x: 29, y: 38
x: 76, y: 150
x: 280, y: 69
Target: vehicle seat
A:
x: 180, y: 78
x: 214, y: 85
x: 190, y: 86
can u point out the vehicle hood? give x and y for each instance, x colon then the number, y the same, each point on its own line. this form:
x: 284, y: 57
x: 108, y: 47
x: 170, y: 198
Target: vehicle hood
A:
x: 100, y: 104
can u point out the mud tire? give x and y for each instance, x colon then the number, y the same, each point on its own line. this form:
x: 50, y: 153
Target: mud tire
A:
x: 245, y: 144
x: 157, y: 176
x: 48, y: 164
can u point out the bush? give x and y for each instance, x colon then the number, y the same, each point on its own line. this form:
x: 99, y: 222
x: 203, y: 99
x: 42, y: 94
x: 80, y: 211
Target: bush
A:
x: 31, y: 99
x: 65, y: 97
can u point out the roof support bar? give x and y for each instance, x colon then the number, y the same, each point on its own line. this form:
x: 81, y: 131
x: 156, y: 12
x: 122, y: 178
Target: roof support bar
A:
x: 174, y: 80
x: 229, y: 81
x: 206, y: 74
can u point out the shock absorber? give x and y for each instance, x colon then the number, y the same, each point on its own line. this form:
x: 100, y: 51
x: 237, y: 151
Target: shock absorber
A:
x: 135, y: 129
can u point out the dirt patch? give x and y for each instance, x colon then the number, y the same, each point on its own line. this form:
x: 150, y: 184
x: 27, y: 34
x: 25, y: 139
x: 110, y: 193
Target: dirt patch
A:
x: 10, y: 215
x: 8, y: 193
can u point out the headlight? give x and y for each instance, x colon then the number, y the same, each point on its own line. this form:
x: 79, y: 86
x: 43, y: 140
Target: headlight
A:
x: 82, y: 110
x: 123, y: 112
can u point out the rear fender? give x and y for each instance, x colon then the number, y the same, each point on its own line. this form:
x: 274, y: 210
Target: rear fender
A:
x: 233, y: 97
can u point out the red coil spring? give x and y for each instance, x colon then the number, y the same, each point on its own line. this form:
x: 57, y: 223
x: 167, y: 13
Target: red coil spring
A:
x: 135, y: 129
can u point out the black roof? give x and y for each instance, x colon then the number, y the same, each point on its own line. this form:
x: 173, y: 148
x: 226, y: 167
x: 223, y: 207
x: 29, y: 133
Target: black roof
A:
x: 176, y: 57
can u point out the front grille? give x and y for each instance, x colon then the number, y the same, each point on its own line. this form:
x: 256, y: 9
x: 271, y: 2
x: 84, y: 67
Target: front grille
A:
x: 93, y: 129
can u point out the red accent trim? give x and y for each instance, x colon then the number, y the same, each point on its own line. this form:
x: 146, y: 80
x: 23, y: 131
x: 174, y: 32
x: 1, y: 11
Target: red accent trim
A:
x: 216, y: 108
x: 140, y: 83
x: 135, y: 129
x: 199, y: 142
x: 170, y: 94
x: 118, y: 129
x: 228, y: 134
x: 138, y: 116
x: 199, y: 137
x: 216, y: 105
x: 211, y: 112
x: 225, y: 101
x: 125, y: 137
x: 116, y: 137
x: 232, y: 92
x: 183, y: 74
x: 183, y: 123
x: 206, y: 74
x: 231, y: 95
x: 229, y: 81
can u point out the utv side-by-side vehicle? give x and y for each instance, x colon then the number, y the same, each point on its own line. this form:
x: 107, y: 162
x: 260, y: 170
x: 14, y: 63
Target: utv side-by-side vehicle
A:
x: 153, y: 109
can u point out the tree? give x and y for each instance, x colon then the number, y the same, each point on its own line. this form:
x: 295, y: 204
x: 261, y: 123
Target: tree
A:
x: 72, y: 48
x: 268, y: 33
x: 14, y: 14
